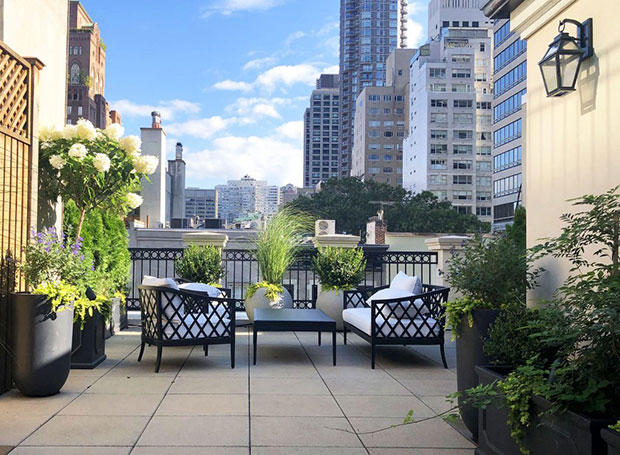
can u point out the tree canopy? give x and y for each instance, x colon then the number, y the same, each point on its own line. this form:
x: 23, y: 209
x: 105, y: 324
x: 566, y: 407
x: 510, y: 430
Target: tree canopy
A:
x: 348, y: 201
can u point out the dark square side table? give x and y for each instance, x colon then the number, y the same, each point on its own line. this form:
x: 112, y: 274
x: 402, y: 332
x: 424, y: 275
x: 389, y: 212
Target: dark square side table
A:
x: 293, y: 320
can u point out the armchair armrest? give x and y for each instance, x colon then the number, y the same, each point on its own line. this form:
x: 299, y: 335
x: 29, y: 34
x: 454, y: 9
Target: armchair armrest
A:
x: 357, y: 298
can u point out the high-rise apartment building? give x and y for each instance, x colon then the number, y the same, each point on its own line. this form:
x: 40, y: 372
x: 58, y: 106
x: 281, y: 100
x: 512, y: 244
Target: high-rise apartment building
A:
x: 381, y: 120
x: 369, y: 31
x: 200, y: 203
x: 240, y: 198
x: 86, y: 66
x: 321, y: 132
x: 509, y: 80
x: 448, y: 147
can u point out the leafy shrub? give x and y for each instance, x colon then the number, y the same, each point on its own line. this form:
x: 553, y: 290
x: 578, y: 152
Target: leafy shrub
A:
x: 201, y: 264
x: 272, y: 291
x: 339, y: 269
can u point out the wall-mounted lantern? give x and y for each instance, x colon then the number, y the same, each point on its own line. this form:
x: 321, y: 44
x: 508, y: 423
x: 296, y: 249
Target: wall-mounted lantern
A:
x: 560, y: 65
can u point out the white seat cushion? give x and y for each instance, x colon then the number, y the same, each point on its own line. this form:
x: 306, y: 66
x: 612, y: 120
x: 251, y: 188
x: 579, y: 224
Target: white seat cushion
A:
x: 419, y: 327
x: 411, y: 284
x: 197, y: 327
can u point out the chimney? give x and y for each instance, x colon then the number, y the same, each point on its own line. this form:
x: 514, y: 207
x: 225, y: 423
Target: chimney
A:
x: 376, y: 229
x: 156, y: 120
x: 179, y: 151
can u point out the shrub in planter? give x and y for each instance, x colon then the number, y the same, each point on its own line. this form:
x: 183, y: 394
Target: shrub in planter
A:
x: 201, y: 264
x: 277, y: 246
x: 339, y: 269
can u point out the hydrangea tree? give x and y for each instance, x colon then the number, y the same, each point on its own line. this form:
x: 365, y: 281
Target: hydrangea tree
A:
x: 97, y: 169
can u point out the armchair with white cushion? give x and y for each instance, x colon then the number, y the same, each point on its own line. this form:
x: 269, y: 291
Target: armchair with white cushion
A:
x: 406, y: 312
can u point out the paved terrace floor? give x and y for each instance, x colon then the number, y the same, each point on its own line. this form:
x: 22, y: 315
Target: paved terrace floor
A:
x: 292, y: 402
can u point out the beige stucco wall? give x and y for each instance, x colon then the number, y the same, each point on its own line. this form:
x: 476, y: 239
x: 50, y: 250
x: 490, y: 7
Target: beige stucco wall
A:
x: 573, y: 142
x: 38, y: 28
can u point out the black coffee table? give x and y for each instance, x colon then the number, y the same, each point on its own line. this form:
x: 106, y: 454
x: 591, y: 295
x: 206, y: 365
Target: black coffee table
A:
x: 292, y: 320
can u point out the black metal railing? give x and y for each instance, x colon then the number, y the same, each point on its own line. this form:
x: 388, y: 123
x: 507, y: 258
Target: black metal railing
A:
x: 242, y: 270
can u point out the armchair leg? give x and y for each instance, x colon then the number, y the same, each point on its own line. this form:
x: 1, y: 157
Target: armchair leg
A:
x: 232, y: 354
x: 141, y: 351
x: 372, y: 355
x: 159, y: 349
x: 344, y: 334
x: 319, y: 338
x: 443, y: 356
x: 206, y: 349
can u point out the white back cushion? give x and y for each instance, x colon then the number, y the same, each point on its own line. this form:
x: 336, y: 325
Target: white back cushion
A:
x: 407, y: 283
x: 171, y: 310
x: 409, y: 310
x: 212, y: 291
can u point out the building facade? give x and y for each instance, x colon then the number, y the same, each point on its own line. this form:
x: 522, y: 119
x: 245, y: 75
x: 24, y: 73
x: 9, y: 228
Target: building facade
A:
x: 176, y: 169
x: 200, y: 203
x: 381, y: 120
x: 369, y: 32
x: 322, y: 132
x: 245, y: 197
x: 509, y: 94
x: 86, y: 69
x: 448, y: 147
x: 154, y: 212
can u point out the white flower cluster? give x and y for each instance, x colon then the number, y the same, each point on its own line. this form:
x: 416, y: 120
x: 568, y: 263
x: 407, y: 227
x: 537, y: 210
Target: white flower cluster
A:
x: 134, y: 200
x: 57, y: 161
x: 85, y: 130
x: 78, y: 151
x: 49, y: 133
x: 145, y: 164
x: 131, y: 144
x: 101, y: 162
x: 115, y: 131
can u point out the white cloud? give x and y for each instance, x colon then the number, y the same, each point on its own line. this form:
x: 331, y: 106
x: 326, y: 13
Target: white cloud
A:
x: 204, y: 128
x: 334, y: 69
x: 416, y: 7
x: 259, y: 63
x: 292, y: 130
x: 293, y: 37
x: 167, y: 109
x: 263, y: 158
x: 415, y: 34
x: 227, y: 7
x: 328, y: 28
x: 250, y: 110
x: 233, y: 85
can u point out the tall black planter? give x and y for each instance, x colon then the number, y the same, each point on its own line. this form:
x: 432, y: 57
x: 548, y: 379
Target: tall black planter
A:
x: 88, y: 343
x: 469, y: 354
x: 567, y: 433
x: 41, y: 345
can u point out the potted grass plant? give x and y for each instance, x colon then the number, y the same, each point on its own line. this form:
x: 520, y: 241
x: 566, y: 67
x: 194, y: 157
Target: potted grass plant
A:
x: 277, y: 246
x: 339, y: 269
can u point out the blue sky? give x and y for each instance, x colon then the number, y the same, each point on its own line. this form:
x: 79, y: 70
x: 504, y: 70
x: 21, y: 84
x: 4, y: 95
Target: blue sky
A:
x: 231, y: 77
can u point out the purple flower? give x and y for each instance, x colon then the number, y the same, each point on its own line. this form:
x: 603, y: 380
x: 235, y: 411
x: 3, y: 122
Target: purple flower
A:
x: 92, y: 267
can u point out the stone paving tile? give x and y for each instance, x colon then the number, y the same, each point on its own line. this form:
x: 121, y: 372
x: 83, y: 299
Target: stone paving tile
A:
x: 196, y: 430
x: 277, y: 369
x: 78, y: 383
x: 287, y: 386
x: 384, y: 451
x: 303, y: 432
x: 15, y: 428
x: 13, y: 403
x: 428, y: 434
x: 132, y: 385
x: 366, y: 386
x: 116, y: 404
x: 430, y: 387
x: 108, y: 450
x: 382, y: 406
x: 167, y: 450
x: 308, y: 451
x: 88, y: 431
x: 205, y: 405
x: 294, y: 405
x: 210, y: 385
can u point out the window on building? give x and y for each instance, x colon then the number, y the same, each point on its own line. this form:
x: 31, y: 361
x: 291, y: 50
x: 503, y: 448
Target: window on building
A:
x: 75, y: 74
x: 462, y: 195
x: 439, y: 134
x: 462, y: 179
x: 437, y: 72
x: 461, y: 73
x: 460, y: 164
x: 438, y: 164
x: 462, y: 149
x: 439, y: 103
x: 463, y: 103
x: 463, y: 134
x: 438, y: 148
x: 79, y: 110
x: 483, y: 211
x: 463, y: 209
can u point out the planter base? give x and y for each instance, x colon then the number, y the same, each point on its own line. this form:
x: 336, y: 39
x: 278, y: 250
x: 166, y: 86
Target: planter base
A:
x: 88, y: 343
x: 88, y: 365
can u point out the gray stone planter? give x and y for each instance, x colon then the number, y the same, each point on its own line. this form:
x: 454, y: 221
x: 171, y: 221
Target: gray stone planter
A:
x: 331, y: 303
x: 258, y: 300
x: 41, y: 344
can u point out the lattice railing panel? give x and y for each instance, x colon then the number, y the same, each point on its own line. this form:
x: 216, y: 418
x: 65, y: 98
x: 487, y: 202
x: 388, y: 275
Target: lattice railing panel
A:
x: 14, y: 94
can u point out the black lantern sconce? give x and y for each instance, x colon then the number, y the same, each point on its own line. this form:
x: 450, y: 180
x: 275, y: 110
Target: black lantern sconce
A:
x: 560, y: 65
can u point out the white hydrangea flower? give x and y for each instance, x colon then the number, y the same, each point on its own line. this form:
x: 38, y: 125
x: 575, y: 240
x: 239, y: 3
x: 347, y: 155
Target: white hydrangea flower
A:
x: 145, y: 164
x: 131, y: 144
x: 115, y: 131
x: 49, y: 133
x: 101, y: 162
x: 85, y: 130
x: 57, y: 161
x: 78, y: 151
x: 69, y: 132
x: 134, y: 200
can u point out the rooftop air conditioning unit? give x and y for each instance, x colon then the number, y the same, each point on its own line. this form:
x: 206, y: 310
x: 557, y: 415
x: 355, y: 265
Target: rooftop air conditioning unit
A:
x: 325, y: 227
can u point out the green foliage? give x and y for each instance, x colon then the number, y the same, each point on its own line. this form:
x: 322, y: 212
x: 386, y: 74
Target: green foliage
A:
x: 272, y: 291
x: 85, y: 308
x: 105, y: 246
x: 457, y: 309
x: 59, y: 293
x: 201, y: 264
x: 615, y: 427
x: 339, y: 269
x: 49, y: 259
x: 278, y: 244
x: 348, y: 201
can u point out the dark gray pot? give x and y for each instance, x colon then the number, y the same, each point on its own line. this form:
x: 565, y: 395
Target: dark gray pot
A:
x: 612, y: 438
x: 469, y: 354
x: 567, y: 433
x: 88, y: 343
x: 41, y: 345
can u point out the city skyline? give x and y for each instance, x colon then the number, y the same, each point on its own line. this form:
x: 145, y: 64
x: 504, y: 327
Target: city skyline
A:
x: 250, y: 105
